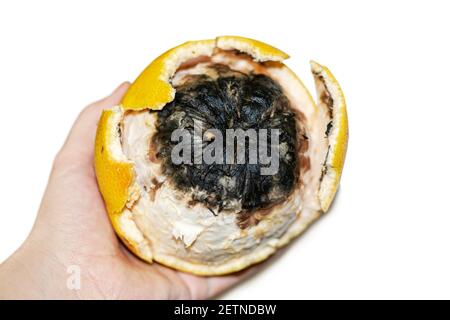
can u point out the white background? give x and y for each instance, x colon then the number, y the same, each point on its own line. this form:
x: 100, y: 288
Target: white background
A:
x: 388, y: 233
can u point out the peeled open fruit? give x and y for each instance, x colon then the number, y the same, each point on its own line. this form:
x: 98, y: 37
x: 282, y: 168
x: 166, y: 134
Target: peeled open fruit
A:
x: 216, y: 217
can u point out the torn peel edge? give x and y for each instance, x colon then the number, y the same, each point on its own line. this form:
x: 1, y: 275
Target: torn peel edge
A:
x: 114, y: 172
x: 115, y: 177
x: 330, y: 98
x: 153, y: 90
x: 259, y: 51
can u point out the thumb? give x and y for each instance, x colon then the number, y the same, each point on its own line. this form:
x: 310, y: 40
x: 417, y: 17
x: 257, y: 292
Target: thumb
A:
x: 80, y: 141
x: 72, y: 189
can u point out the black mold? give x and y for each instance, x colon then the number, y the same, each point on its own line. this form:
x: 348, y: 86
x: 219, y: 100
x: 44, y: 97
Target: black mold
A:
x: 230, y: 101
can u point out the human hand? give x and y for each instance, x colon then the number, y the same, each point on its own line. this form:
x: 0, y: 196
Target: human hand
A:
x: 72, y: 229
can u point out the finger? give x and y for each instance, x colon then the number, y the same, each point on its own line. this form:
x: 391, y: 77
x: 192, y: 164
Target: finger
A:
x: 79, y: 144
x: 201, y: 287
x: 217, y: 285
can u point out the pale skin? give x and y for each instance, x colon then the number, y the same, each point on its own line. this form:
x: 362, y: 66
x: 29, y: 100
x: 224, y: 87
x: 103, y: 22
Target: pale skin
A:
x: 72, y: 229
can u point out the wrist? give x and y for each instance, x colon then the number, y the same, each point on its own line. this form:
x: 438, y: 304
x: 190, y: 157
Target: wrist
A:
x: 31, y: 274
